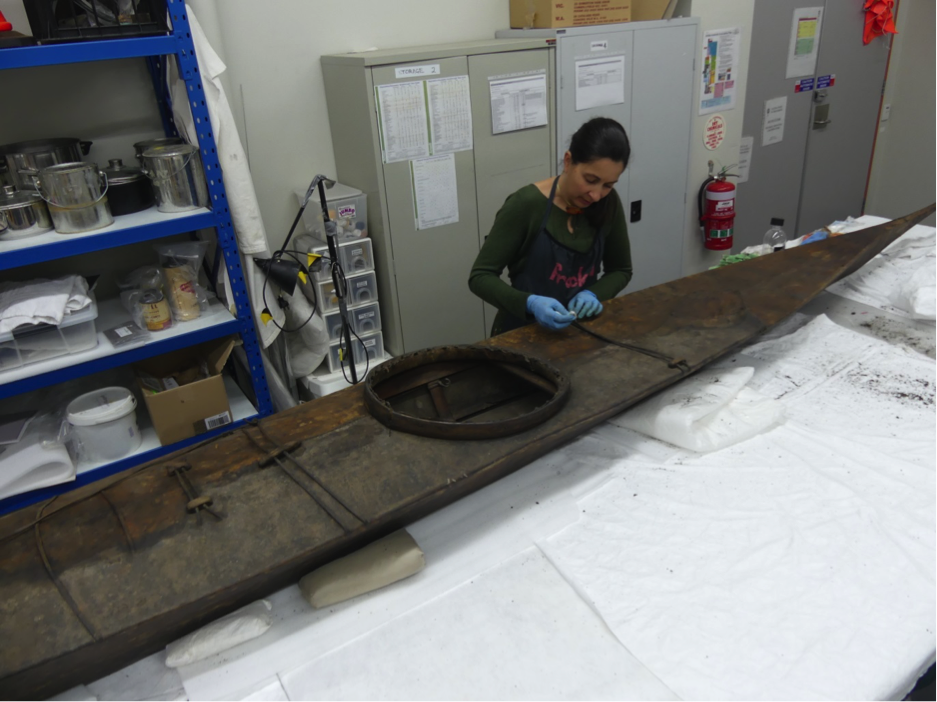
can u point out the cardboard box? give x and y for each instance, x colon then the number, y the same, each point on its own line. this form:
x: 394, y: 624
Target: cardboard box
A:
x: 652, y: 9
x: 543, y: 14
x: 194, y: 407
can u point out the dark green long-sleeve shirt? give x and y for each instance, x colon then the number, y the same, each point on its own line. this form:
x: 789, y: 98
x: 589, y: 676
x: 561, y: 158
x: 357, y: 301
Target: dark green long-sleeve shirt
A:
x: 514, y: 229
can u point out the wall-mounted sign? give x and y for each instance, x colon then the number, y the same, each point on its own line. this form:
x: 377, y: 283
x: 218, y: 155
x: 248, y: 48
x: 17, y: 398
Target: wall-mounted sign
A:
x: 804, y: 44
x: 721, y: 51
x: 826, y: 81
x: 417, y: 71
x: 714, y: 132
x: 804, y: 85
x: 772, y: 127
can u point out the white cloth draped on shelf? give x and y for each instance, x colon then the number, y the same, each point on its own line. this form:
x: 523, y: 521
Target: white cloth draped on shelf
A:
x: 41, y: 301
x: 239, y: 187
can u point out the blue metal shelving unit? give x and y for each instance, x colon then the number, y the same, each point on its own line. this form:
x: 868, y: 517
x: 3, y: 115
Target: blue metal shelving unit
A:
x: 179, y: 44
x: 138, y: 353
x: 108, y: 238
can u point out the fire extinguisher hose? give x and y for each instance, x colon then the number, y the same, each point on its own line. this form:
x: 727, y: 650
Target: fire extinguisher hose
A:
x: 700, y: 197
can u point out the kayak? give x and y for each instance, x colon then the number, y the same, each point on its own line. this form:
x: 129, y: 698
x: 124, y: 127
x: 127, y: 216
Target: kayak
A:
x: 97, y: 578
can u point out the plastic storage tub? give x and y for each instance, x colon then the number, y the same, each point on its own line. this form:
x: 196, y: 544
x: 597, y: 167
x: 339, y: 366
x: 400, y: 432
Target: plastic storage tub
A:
x: 347, y: 208
x: 105, y: 424
x: 361, y: 289
x: 40, y: 342
x: 365, y: 319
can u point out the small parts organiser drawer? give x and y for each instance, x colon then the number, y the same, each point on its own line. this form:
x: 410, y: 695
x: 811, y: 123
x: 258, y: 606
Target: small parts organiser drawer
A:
x: 363, y: 320
x: 360, y: 289
x: 355, y: 257
x: 366, y: 348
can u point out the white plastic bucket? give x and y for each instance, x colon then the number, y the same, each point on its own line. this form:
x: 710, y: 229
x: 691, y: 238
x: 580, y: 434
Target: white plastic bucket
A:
x: 105, y: 423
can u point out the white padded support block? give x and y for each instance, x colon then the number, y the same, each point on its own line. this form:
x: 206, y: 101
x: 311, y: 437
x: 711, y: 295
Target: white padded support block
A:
x: 381, y: 563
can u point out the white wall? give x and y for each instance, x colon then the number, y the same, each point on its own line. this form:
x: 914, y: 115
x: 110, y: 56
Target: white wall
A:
x: 713, y: 14
x: 274, y: 84
x: 272, y: 50
x: 276, y: 91
x: 902, y: 178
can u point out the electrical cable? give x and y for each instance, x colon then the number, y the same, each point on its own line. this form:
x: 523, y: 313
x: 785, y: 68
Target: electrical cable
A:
x: 367, y: 362
x: 338, y: 277
x: 278, y: 255
x: 263, y: 297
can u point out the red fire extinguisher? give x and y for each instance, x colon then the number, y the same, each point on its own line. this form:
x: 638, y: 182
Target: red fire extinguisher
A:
x: 717, y: 215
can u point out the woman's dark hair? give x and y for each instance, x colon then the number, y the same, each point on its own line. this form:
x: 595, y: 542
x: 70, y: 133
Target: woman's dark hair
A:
x: 600, y: 137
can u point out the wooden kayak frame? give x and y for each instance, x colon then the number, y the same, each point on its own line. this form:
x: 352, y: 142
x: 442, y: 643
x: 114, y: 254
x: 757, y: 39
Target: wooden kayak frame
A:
x: 100, y: 577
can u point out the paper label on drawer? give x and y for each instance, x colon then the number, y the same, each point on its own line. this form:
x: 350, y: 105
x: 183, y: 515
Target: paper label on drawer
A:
x: 369, y: 342
x: 346, y: 211
x: 365, y: 315
x: 362, y: 284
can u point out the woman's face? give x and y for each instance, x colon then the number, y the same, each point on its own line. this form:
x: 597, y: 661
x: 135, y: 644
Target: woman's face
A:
x: 587, y: 183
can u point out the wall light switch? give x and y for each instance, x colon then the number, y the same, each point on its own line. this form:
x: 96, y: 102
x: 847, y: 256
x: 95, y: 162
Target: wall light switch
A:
x: 886, y: 112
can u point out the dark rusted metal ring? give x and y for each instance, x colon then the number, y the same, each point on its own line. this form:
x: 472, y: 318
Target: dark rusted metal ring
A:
x: 385, y: 414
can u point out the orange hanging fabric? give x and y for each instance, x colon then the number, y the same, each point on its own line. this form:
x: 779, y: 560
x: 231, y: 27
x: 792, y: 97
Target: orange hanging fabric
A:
x: 878, y: 19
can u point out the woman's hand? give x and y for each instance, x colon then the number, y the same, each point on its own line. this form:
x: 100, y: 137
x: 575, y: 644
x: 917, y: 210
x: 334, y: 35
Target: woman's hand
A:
x: 585, y: 304
x: 549, y: 313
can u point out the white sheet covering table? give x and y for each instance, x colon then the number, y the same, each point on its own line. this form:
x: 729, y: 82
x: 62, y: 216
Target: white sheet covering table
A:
x: 799, y: 564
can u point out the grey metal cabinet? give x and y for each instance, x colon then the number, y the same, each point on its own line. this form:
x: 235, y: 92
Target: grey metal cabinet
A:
x: 422, y: 274
x: 656, y: 82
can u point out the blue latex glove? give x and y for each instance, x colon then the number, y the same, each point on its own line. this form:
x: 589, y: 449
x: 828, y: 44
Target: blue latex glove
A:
x: 818, y: 235
x: 585, y: 304
x: 549, y: 313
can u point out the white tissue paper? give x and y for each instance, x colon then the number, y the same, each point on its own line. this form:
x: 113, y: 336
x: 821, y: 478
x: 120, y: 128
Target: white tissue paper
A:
x: 706, y: 412
x: 901, y: 279
x: 41, y: 301
x: 36, y: 459
x: 243, y: 625
x: 917, y: 293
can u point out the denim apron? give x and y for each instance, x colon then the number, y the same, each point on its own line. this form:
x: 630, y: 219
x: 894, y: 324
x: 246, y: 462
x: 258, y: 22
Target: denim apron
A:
x: 554, y: 270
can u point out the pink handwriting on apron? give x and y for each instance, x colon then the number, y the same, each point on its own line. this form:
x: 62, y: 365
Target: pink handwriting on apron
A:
x: 572, y: 281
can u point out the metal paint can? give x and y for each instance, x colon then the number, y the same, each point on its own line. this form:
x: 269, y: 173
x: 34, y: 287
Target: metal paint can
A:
x: 177, y: 177
x: 155, y: 310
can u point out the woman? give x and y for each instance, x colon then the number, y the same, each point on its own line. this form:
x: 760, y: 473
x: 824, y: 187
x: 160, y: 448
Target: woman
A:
x: 555, y: 235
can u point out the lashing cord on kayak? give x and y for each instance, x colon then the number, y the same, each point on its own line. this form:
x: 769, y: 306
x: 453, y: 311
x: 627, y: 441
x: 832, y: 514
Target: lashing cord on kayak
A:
x: 680, y: 364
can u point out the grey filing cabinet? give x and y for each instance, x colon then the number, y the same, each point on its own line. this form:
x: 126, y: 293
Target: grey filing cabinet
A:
x: 659, y: 72
x: 422, y: 274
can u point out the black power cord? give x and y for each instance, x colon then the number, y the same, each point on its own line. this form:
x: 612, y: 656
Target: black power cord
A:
x: 338, y: 276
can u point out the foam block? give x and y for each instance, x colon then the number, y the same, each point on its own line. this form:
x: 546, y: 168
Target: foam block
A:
x: 381, y: 563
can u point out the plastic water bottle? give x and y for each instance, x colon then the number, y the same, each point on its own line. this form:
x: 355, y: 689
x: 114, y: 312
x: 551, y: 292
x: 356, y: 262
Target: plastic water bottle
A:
x: 775, y: 238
